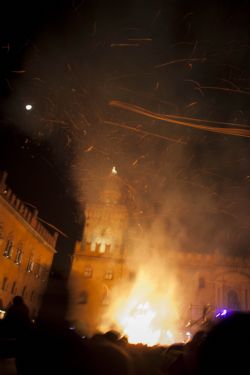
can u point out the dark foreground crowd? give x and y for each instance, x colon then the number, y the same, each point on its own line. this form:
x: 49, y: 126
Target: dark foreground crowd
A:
x: 49, y: 346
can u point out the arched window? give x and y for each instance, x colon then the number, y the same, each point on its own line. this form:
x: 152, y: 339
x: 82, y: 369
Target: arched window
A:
x: 19, y: 255
x: 108, y: 275
x: 102, y: 248
x: 30, y: 265
x: 88, y: 272
x: 106, y: 296
x: 83, y: 298
x: 93, y: 246
x: 233, y: 300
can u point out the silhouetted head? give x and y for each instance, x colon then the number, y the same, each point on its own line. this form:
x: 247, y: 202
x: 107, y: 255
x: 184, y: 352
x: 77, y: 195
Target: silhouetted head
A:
x: 18, y: 300
x: 112, y: 359
x: 112, y: 336
x: 226, y: 347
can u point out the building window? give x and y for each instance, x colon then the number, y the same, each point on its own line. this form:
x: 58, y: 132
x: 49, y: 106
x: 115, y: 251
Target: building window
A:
x: 201, y: 283
x: 106, y: 296
x: 88, y: 272
x: 88, y: 246
x: 8, y: 249
x: 32, y: 295
x: 24, y: 291
x: 1, y: 233
x: 44, y: 273
x: 19, y: 255
x: 37, y: 271
x: 5, y: 284
x: 13, y: 288
x: 108, y: 275
x: 102, y: 248
x: 108, y: 247
x: 83, y: 298
x: 30, y: 265
x: 92, y: 247
x: 233, y: 301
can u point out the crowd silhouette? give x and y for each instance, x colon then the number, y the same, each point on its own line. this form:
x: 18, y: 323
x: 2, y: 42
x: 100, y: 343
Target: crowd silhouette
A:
x: 50, y: 346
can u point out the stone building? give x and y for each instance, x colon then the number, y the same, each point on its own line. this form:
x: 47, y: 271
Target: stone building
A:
x: 26, y: 250
x: 98, y: 260
x: 103, y: 259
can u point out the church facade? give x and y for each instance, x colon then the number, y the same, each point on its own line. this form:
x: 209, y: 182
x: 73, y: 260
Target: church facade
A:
x: 103, y: 259
x: 27, y: 249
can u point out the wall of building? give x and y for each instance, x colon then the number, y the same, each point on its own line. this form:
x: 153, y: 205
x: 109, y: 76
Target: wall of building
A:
x: 202, y: 279
x: 92, y: 279
x: 26, y: 252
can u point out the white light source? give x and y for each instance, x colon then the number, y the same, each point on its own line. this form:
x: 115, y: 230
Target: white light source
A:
x: 28, y: 107
x: 114, y: 170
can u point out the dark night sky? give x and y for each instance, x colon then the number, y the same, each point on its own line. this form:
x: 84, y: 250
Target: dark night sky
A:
x: 187, y: 59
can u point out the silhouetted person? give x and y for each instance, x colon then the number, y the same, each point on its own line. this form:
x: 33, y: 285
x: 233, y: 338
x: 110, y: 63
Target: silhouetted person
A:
x: 51, y: 347
x: 108, y: 358
x: 226, y: 347
x: 16, y: 319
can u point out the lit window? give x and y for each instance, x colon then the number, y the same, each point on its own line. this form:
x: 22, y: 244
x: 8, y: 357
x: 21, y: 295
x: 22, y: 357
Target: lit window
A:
x: 8, y: 249
x: 102, y: 248
x: 19, y: 255
x: 4, y: 284
x: 88, y: 272
x: 92, y: 247
x: 106, y: 297
x: 83, y: 298
x: 201, y: 283
x: 108, y: 275
x: 30, y: 265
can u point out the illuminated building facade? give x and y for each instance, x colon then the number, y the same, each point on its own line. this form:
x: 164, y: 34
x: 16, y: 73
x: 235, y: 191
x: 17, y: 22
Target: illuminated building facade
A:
x: 103, y: 259
x: 99, y: 260
x: 26, y: 251
x: 223, y: 282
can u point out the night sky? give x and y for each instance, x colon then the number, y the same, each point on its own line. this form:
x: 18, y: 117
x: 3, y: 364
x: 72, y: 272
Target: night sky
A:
x: 86, y: 67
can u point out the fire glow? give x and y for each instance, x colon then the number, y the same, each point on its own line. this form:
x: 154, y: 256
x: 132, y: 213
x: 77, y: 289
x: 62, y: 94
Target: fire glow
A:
x: 147, y: 314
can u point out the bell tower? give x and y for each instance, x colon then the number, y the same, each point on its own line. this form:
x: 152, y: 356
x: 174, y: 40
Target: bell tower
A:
x: 98, y: 261
x: 106, y: 221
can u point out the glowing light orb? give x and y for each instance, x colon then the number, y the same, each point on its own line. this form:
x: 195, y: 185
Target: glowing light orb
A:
x: 28, y: 107
x: 114, y: 170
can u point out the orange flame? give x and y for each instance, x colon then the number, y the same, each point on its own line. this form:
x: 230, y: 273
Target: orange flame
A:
x: 146, y: 314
